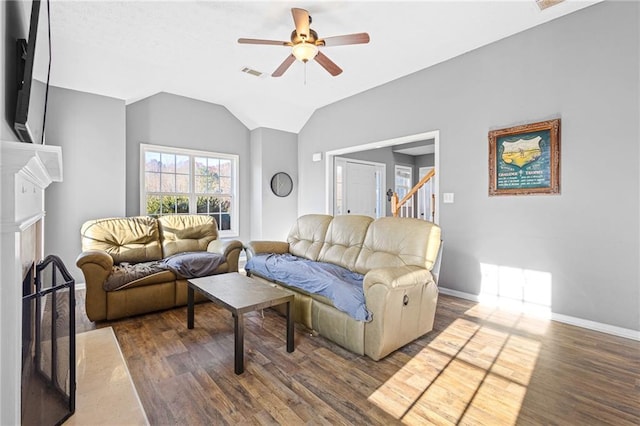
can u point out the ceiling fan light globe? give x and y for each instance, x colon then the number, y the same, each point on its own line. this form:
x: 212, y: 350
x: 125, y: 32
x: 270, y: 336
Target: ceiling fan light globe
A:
x: 304, y: 51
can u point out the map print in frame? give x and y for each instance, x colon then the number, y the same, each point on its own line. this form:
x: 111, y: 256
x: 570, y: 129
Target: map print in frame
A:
x: 525, y: 159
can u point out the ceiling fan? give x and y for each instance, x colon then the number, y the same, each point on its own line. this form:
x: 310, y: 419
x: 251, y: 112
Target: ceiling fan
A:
x: 305, y: 42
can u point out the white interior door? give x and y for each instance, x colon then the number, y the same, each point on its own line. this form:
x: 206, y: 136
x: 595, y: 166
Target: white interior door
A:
x: 361, y: 188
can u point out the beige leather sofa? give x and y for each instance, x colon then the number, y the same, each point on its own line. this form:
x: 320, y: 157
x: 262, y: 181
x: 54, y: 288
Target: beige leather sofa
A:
x: 108, y: 242
x: 395, y: 255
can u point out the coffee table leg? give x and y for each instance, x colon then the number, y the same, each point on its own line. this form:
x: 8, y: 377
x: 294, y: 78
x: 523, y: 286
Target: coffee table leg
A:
x: 289, y: 328
x: 190, y: 309
x: 238, y: 324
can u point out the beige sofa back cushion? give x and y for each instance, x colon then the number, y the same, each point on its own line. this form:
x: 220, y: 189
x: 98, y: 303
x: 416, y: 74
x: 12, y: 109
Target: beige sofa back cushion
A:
x: 126, y: 239
x: 344, y: 239
x: 307, y: 235
x: 183, y: 233
x: 392, y: 241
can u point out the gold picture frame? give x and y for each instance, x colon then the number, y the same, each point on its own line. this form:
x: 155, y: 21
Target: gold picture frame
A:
x: 525, y: 159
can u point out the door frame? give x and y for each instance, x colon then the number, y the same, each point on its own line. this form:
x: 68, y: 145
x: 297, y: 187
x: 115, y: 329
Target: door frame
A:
x: 381, y: 176
x: 329, y: 157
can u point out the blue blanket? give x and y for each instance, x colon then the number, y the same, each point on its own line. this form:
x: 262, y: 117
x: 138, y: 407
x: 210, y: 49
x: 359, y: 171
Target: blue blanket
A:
x: 341, y: 286
x: 185, y: 265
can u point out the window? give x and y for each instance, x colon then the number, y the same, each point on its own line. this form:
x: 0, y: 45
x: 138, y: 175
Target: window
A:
x: 404, y: 179
x: 175, y: 180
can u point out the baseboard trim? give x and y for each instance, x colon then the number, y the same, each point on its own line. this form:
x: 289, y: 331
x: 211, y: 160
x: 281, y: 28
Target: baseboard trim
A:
x: 597, y: 326
x: 566, y: 319
x: 460, y: 294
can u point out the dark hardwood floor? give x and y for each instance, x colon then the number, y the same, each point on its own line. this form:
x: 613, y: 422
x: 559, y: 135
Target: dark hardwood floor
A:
x: 480, y: 365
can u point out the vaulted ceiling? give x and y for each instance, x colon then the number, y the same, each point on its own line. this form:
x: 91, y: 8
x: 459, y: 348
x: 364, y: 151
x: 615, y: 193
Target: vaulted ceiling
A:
x: 133, y: 49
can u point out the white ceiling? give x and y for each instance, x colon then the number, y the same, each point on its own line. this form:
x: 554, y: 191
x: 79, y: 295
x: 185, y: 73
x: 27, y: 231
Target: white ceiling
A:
x: 133, y: 49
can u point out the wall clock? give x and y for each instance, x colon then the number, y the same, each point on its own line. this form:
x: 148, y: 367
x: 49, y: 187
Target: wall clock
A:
x: 281, y: 184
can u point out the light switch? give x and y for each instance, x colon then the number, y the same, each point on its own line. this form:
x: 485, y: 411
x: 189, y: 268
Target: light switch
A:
x: 447, y: 197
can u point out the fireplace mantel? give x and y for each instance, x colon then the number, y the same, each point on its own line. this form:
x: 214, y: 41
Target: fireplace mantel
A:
x: 26, y: 170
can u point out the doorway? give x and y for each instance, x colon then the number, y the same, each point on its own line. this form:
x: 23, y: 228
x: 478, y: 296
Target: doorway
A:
x: 359, y: 187
x: 331, y: 178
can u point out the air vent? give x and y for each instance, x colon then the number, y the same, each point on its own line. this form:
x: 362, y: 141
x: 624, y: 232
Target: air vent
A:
x: 543, y: 4
x: 251, y: 71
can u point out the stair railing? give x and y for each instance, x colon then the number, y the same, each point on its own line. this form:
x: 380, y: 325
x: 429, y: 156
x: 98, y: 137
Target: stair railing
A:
x: 401, y: 208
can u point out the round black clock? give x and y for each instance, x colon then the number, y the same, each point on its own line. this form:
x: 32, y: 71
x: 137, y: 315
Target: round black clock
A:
x: 281, y: 184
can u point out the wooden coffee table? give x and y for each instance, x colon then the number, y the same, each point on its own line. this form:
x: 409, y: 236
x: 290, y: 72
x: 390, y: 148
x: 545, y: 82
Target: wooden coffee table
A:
x: 239, y: 294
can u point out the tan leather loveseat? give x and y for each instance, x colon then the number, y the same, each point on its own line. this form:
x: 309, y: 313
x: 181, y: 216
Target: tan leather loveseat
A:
x: 395, y: 255
x: 111, y: 241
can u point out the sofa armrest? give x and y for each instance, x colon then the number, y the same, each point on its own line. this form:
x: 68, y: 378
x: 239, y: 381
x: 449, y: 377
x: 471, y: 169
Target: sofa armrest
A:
x: 402, y: 301
x: 256, y: 247
x: 98, y: 257
x: 230, y: 249
x: 96, y: 265
x: 398, y: 277
x: 224, y: 247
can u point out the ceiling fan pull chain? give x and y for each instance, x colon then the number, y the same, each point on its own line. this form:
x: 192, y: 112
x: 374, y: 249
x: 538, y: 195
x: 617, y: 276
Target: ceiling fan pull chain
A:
x: 305, y: 73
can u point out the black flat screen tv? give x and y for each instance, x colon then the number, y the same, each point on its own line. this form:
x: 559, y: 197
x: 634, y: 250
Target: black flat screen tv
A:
x: 34, y: 63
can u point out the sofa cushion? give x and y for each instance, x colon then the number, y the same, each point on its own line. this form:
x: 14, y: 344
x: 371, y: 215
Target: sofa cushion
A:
x: 392, y: 242
x: 182, y: 233
x: 344, y: 239
x: 126, y: 239
x: 307, y: 235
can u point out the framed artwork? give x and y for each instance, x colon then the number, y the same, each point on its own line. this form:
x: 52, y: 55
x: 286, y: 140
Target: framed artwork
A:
x: 525, y: 159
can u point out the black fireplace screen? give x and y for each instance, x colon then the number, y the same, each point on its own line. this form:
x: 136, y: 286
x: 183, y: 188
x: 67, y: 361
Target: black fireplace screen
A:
x: 48, y: 344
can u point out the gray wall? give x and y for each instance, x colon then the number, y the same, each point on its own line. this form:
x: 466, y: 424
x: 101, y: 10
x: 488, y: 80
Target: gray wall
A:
x: 272, y: 151
x: 90, y: 130
x: 170, y: 120
x: 587, y: 237
x: 426, y: 160
x: 255, y: 147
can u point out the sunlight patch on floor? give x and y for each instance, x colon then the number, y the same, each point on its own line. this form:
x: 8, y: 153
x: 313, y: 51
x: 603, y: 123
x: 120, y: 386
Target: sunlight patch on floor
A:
x: 511, y: 318
x: 476, y: 371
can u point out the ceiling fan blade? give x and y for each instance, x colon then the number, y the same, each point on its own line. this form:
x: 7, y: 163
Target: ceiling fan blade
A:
x: 359, y: 38
x: 302, y: 20
x: 328, y: 64
x: 284, y: 66
x: 260, y: 41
